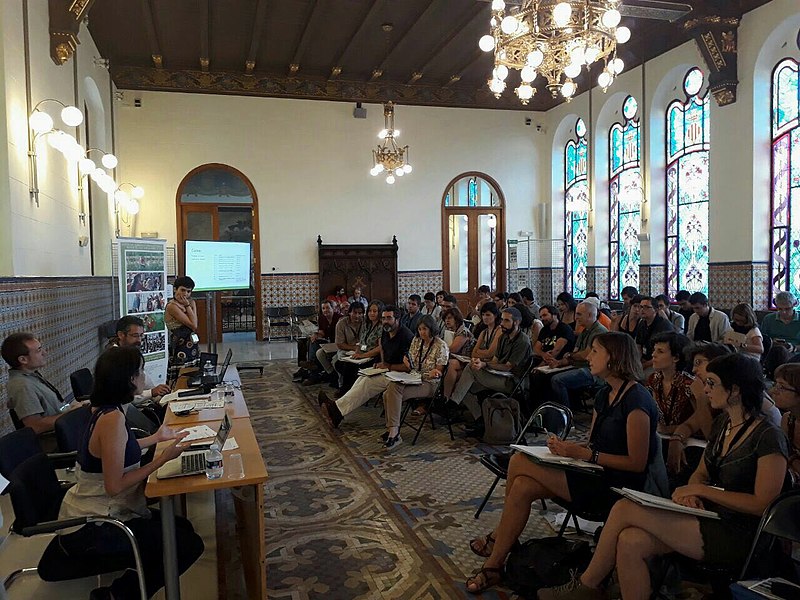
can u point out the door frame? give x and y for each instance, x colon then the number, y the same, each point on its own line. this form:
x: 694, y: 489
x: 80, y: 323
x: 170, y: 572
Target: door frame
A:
x: 255, y: 241
x: 466, y: 299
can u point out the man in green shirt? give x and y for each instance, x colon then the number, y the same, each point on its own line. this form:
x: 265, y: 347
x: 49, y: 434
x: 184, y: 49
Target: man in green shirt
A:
x: 784, y: 324
x: 579, y: 377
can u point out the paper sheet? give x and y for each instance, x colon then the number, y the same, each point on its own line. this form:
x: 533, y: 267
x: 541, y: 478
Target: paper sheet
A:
x: 198, y: 432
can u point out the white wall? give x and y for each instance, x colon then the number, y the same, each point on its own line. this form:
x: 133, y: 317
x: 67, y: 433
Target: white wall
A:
x: 44, y: 238
x: 309, y: 162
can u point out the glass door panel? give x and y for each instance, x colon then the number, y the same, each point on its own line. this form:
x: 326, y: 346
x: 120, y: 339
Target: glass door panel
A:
x: 458, y: 250
x: 487, y: 250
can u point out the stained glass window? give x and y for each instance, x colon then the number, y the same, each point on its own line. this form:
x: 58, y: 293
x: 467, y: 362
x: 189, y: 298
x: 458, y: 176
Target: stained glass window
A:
x: 785, y: 230
x: 688, y: 144
x: 625, y: 200
x: 576, y: 212
x: 472, y: 192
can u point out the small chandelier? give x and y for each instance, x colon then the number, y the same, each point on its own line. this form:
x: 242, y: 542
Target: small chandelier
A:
x: 555, y: 39
x: 389, y: 156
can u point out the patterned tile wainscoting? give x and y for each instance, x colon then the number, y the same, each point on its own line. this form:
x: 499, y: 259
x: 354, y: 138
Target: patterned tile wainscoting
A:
x: 651, y: 279
x: 597, y: 280
x: 418, y: 282
x: 64, y: 314
x: 761, y: 286
x: 735, y: 282
x: 543, y: 281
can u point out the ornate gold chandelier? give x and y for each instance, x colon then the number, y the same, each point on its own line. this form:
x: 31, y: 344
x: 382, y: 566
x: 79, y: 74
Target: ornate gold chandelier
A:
x: 389, y: 156
x: 554, y: 39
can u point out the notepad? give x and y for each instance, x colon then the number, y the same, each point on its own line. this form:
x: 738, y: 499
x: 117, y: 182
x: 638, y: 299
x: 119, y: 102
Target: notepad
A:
x: 548, y: 369
x: 370, y: 372
x: 356, y: 361
x: 405, y: 378
x: 688, y: 442
x: 500, y: 373
x: 651, y: 501
x: 542, y: 454
x: 198, y: 432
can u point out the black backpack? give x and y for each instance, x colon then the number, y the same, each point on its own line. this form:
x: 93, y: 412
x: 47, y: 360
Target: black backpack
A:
x: 502, y: 419
x: 544, y: 563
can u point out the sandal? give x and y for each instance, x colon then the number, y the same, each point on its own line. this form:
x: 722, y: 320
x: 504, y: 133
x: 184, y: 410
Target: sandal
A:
x: 486, y: 545
x: 419, y: 411
x: 485, y: 578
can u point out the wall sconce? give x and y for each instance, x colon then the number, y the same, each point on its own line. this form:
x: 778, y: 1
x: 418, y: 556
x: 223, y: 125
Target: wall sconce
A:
x: 128, y: 201
x: 42, y: 124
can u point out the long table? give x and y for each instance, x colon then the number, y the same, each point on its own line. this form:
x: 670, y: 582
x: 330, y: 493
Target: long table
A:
x: 248, y: 503
x: 236, y: 408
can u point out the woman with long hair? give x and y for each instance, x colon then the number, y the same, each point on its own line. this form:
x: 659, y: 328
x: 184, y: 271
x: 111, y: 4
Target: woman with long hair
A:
x: 484, y: 348
x: 566, y: 305
x: 746, y: 336
x: 180, y: 317
x: 622, y: 440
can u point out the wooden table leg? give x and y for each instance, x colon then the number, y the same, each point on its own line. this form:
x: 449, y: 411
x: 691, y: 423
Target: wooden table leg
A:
x: 249, y: 504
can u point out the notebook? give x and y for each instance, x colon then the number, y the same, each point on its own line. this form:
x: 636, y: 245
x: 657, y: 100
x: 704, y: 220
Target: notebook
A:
x: 651, y: 501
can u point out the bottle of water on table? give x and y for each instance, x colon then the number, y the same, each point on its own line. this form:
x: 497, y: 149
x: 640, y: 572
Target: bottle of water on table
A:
x: 214, y: 462
x: 208, y: 369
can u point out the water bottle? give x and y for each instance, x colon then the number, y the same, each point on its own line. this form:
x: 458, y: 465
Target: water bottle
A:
x: 208, y: 369
x: 213, y: 462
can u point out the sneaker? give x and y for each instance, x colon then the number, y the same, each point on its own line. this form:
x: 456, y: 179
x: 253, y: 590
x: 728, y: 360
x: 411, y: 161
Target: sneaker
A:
x: 572, y: 590
x: 332, y: 413
x: 392, y: 442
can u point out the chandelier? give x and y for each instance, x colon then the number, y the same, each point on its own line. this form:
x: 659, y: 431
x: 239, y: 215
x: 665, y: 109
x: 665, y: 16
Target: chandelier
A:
x: 554, y: 39
x: 389, y: 156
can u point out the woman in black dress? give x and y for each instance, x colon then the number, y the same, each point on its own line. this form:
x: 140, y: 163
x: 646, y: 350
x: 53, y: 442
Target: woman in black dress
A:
x: 742, y: 471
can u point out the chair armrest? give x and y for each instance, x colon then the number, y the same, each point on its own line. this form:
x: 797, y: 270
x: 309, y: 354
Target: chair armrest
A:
x: 140, y: 433
x: 53, y: 526
x: 63, y: 460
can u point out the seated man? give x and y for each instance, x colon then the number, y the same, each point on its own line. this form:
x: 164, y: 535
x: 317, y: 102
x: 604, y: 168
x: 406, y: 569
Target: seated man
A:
x: 395, y: 343
x: 527, y: 300
x: 706, y: 324
x: 412, y: 317
x: 326, y: 331
x: 664, y: 309
x: 347, y: 337
x: 684, y: 308
x: 358, y: 297
x: 35, y: 402
x: 579, y: 377
x: 650, y: 325
x: 784, y: 324
x: 513, y: 351
x: 130, y: 331
x: 528, y: 317
x: 555, y: 338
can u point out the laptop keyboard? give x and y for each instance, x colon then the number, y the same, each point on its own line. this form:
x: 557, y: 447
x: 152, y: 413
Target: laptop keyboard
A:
x: 193, y: 463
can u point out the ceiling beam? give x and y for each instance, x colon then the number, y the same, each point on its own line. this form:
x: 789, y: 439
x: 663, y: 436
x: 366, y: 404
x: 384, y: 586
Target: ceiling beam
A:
x: 152, y: 36
x: 469, y: 16
x: 313, y: 12
x: 336, y: 69
x: 459, y: 73
x: 379, y: 70
x: 205, y: 33
x: 255, y: 37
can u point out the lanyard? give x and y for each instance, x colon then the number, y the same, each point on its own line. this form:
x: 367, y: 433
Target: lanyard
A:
x: 49, y: 385
x: 420, y: 358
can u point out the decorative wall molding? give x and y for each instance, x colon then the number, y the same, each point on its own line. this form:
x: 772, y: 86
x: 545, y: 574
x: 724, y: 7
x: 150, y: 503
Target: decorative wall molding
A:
x: 65, y: 23
x: 717, y: 37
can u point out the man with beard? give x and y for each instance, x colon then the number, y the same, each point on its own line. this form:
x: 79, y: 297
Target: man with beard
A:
x: 130, y: 331
x: 513, y: 351
x: 555, y: 338
x: 394, y: 345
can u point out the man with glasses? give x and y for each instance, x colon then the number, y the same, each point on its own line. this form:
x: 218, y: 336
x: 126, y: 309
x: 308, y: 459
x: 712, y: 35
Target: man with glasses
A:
x: 784, y: 324
x: 394, y: 345
x: 34, y: 401
x: 130, y: 331
x: 650, y: 324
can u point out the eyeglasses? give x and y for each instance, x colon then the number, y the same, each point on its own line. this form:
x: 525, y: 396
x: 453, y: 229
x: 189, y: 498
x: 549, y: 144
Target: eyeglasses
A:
x: 779, y: 387
x: 711, y: 383
x: 647, y: 307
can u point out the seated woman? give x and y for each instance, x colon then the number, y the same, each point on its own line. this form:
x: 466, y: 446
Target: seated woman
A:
x: 458, y: 338
x: 566, y: 305
x: 786, y: 393
x: 672, y: 390
x: 368, y: 348
x: 180, y: 318
x: 427, y: 356
x: 484, y: 347
x: 742, y: 471
x: 630, y: 320
x: 110, y: 481
x: 622, y: 439
x: 745, y: 335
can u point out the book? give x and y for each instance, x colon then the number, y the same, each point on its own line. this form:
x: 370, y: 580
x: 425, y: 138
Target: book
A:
x: 651, y: 501
x: 542, y: 455
x: 688, y: 442
x: 404, y: 378
x: 370, y: 372
x: 547, y: 369
x: 356, y: 361
x: 734, y: 339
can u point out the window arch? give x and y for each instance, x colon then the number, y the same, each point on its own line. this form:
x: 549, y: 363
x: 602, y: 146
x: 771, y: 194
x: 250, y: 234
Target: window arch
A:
x: 687, y: 183
x: 576, y: 212
x: 625, y: 200
x: 785, y: 207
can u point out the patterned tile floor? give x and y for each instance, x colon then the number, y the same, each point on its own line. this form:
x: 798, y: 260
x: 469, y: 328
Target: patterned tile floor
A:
x: 346, y: 520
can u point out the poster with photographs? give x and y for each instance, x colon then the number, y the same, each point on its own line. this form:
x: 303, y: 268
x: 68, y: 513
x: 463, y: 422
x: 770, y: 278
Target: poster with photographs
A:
x: 142, y: 288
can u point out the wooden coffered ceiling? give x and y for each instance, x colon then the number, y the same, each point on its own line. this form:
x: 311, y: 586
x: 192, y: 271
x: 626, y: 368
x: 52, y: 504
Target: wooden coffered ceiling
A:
x: 410, y: 51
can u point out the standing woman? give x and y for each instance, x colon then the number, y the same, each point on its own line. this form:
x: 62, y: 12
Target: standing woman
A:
x: 741, y: 473
x: 566, y: 305
x: 181, y: 321
x: 786, y: 393
x: 111, y: 480
x: 427, y: 356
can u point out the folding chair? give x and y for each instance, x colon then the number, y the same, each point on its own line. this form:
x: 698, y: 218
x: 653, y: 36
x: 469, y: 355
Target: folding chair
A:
x: 428, y: 404
x: 558, y: 417
x: 278, y: 316
x: 81, y: 382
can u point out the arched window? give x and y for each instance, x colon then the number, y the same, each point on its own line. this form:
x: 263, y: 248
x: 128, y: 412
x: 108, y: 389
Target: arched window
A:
x: 688, y: 143
x: 785, y: 210
x: 576, y: 212
x: 625, y: 200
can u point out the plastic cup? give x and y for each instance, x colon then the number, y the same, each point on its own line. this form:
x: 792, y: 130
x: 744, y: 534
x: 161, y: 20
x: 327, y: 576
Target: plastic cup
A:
x: 234, y: 466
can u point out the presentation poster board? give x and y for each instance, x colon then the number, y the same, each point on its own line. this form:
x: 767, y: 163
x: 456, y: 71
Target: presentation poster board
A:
x: 217, y: 266
x: 142, y: 290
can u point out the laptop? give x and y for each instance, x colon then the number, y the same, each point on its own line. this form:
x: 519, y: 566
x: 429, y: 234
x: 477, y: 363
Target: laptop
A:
x: 212, y: 380
x: 194, y: 462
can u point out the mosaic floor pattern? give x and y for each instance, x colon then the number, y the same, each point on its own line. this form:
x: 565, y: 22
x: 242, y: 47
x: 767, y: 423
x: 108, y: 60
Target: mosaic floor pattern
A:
x: 346, y: 520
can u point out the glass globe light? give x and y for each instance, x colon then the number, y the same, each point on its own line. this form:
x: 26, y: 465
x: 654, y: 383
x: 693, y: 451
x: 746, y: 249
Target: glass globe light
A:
x: 498, y: 5
x: 568, y: 89
x: 137, y: 192
x: 133, y: 207
x: 382, y: 134
x: 399, y: 172
x: 121, y: 197
x: 97, y: 175
x: 501, y: 72
x: 86, y: 165
x: 395, y: 132
x: 379, y: 167
x: 71, y: 116
x: 107, y: 184
x: 373, y: 171
x: 572, y: 70
x: 578, y: 55
x: 527, y: 74
x: 509, y: 24
x: 390, y: 179
x: 109, y: 161
x: 611, y: 18
x: 591, y: 54
x: 604, y: 80
x: 491, y: 222
x: 561, y: 13
x: 407, y: 168
x: 55, y: 140
x: 535, y: 58
x: 497, y: 86
x: 622, y: 34
x: 617, y: 66
x: 524, y: 92
x: 486, y: 43
x: 40, y: 122
x: 74, y: 152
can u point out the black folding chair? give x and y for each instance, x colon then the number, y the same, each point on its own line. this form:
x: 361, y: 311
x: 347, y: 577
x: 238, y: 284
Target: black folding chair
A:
x: 18, y: 446
x: 81, y: 382
x: 781, y: 520
x: 428, y: 404
x: 278, y: 316
x: 555, y: 416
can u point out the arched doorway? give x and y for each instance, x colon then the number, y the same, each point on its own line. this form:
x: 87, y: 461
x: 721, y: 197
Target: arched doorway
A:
x: 217, y: 202
x: 473, y: 237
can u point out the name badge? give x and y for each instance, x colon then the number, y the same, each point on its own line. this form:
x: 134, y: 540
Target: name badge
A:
x: 363, y: 347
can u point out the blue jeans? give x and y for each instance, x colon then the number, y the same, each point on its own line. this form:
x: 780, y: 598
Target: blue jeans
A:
x: 574, y: 379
